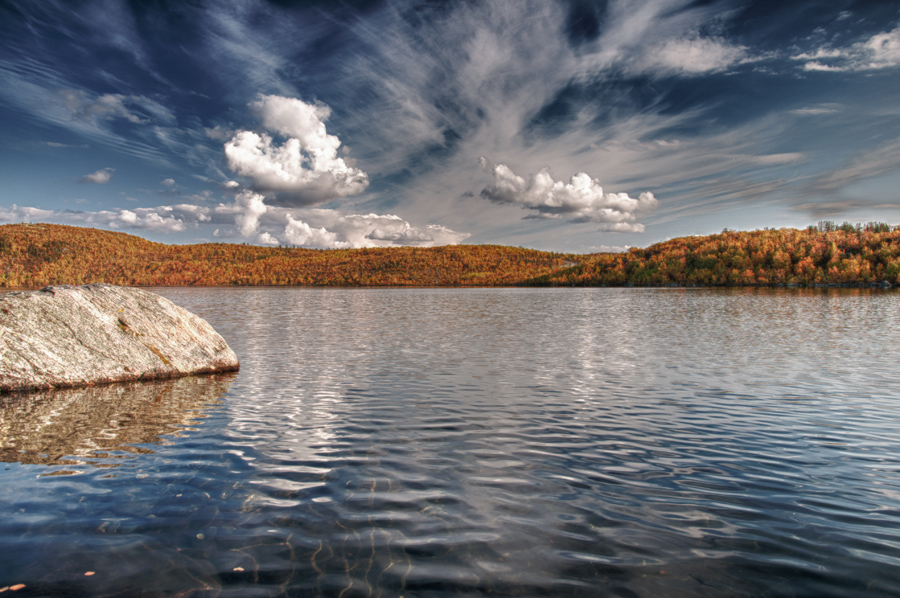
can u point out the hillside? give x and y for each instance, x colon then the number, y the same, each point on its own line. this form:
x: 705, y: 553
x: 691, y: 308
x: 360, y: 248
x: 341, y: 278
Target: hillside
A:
x: 826, y: 254
x: 35, y: 255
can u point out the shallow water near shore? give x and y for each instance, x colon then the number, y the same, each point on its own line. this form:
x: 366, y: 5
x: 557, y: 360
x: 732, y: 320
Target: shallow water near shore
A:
x: 478, y: 442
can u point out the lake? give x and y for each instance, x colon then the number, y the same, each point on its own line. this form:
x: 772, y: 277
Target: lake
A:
x: 475, y: 442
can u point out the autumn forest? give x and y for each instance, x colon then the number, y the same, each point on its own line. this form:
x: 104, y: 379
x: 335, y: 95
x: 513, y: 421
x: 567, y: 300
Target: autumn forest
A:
x: 36, y: 255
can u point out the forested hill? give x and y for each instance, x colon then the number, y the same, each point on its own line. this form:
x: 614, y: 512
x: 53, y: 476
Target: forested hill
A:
x: 36, y: 255
x: 826, y: 254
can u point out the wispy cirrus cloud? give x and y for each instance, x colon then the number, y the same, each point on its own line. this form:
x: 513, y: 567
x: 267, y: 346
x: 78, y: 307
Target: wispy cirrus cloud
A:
x: 253, y: 43
x: 819, y: 110
x: 879, y: 51
x: 52, y: 99
x: 134, y: 109
x: 692, y: 56
x: 505, y: 80
x: 482, y: 72
x: 863, y: 166
x: 835, y: 209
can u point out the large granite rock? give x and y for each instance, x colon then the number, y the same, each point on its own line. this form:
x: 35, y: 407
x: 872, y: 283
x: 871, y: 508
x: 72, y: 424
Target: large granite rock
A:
x: 66, y: 336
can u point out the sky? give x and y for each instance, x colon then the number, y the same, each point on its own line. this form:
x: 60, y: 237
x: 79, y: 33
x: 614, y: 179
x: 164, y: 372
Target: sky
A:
x: 572, y: 125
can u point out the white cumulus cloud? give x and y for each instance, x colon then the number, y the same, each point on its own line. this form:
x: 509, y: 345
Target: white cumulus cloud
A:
x: 300, y: 233
x: 582, y: 199
x: 101, y: 177
x: 267, y: 239
x: 323, y: 228
x: 16, y: 213
x: 248, y: 218
x: 145, y: 220
x: 333, y: 230
x: 305, y: 168
x: 247, y: 209
x: 160, y: 219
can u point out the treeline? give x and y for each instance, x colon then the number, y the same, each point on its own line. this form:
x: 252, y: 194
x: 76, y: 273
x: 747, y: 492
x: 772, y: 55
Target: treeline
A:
x: 821, y: 255
x: 36, y: 255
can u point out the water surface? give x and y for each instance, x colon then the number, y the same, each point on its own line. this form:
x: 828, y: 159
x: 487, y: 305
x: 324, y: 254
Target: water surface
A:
x: 475, y: 442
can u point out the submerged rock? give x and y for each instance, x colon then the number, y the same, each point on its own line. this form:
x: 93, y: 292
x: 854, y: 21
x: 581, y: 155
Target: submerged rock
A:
x: 67, y: 336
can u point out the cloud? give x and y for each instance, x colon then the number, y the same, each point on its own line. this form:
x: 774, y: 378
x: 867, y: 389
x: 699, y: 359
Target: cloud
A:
x: 254, y: 43
x: 101, y: 177
x: 693, y: 56
x: 219, y: 133
x: 880, y: 51
x: 814, y: 110
x: 333, y: 230
x: 300, y: 233
x: 252, y: 219
x: 883, y: 49
x: 580, y: 200
x: 84, y: 107
x: 506, y: 79
x: 819, y: 210
x: 608, y: 248
x: 866, y: 165
x: 44, y: 92
x: 267, y: 239
x: 15, y: 213
x: 774, y: 159
x: 161, y: 219
x: 135, y: 109
x: 661, y: 38
x: 251, y: 208
x: 323, y: 228
x: 143, y: 220
x: 303, y: 170
x: 170, y: 187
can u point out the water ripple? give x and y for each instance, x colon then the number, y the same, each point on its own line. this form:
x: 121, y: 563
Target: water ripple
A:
x: 519, y: 442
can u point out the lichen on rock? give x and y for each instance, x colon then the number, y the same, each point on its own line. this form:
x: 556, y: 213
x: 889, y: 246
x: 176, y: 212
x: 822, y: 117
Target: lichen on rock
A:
x: 68, y: 336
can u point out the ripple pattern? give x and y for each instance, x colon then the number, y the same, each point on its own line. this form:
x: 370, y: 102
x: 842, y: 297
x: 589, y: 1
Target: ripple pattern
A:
x: 502, y: 442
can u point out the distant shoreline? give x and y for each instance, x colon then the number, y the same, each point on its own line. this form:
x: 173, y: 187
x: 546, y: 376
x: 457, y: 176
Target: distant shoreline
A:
x: 824, y: 256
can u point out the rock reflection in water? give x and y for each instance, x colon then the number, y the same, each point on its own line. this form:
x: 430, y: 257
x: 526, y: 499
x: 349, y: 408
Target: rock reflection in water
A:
x: 83, y: 425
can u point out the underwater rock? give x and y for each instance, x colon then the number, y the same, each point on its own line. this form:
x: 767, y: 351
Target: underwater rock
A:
x: 69, y: 336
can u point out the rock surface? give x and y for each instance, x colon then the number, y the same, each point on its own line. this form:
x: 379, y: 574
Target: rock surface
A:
x: 68, y: 336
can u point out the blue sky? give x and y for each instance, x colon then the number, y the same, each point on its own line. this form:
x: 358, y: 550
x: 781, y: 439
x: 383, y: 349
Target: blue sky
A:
x: 574, y: 126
